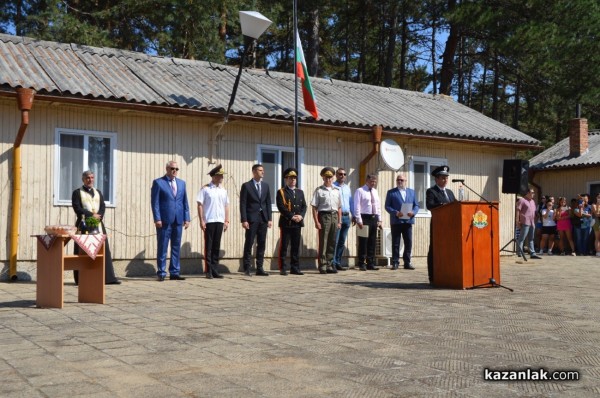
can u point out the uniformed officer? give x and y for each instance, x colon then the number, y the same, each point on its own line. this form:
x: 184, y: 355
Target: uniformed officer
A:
x: 292, y: 209
x: 327, y: 213
x: 437, y: 196
x: 213, y: 214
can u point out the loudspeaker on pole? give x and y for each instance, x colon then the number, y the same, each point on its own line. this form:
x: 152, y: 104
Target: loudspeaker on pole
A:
x: 515, y: 177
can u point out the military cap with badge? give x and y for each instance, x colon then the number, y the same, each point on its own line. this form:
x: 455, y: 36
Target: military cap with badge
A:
x: 327, y: 172
x: 441, y: 171
x: 217, y: 171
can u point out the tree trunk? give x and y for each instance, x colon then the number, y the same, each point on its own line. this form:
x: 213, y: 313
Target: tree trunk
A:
x: 433, y: 57
x: 495, y: 87
x: 312, y: 52
x: 447, y: 72
x: 388, y: 72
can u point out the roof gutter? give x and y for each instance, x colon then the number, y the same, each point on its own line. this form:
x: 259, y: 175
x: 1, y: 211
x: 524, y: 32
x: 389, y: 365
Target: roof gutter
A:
x: 362, y: 168
x: 24, y: 102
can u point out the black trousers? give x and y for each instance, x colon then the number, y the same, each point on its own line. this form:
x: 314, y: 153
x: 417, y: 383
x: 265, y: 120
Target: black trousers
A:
x: 258, y: 230
x: 290, y: 236
x: 366, y: 246
x: 404, y: 231
x: 212, y: 246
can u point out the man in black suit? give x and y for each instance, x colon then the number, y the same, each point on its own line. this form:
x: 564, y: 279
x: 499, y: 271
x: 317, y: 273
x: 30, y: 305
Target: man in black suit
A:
x: 437, y: 196
x: 292, y: 209
x: 256, y: 215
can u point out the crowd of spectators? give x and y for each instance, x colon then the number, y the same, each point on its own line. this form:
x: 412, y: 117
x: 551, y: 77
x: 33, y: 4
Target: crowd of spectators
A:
x: 568, y: 227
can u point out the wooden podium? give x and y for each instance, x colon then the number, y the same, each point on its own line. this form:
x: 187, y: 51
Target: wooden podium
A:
x: 51, y: 264
x: 466, y: 249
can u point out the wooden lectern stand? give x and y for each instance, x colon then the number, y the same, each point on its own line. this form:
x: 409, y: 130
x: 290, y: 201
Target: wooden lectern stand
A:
x: 51, y: 265
x: 466, y: 250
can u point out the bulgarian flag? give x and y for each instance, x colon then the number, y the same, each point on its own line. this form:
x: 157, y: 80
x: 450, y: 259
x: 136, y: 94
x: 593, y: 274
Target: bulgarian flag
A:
x: 310, y: 102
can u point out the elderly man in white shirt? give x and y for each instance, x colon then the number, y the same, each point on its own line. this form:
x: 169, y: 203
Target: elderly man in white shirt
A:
x: 367, y: 210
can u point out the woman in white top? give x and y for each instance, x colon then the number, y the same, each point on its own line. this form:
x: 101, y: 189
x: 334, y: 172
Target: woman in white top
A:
x: 548, y: 226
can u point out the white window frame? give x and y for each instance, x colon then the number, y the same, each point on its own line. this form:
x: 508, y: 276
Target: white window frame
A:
x: 589, y: 190
x: 278, y: 177
x: 429, y: 161
x: 109, y: 202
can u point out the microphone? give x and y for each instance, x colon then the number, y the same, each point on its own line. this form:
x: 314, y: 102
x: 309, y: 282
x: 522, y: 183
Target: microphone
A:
x: 455, y: 180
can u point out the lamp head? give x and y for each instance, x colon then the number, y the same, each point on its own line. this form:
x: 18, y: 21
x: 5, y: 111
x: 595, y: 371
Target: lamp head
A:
x: 253, y: 23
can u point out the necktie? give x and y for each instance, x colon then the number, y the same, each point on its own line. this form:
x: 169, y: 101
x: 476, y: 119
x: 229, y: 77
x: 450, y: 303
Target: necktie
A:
x: 258, y: 189
x: 446, y: 195
x: 372, y: 202
x: 174, y: 187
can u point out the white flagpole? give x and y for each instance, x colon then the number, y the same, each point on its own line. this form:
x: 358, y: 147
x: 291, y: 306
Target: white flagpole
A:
x: 296, y: 152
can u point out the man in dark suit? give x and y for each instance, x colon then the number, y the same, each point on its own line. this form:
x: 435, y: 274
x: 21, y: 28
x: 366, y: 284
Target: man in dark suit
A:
x: 401, y: 222
x: 292, y: 209
x: 171, y: 212
x: 437, y: 196
x: 256, y: 215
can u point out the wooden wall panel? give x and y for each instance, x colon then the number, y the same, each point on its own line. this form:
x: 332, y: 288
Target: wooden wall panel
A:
x: 145, y: 142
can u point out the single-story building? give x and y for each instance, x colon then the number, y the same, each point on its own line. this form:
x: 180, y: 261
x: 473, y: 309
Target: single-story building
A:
x: 571, y: 166
x: 125, y: 114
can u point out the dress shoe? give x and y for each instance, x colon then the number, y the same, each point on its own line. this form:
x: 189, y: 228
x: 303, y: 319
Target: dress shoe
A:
x: 283, y: 272
x: 362, y: 268
x: 372, y: 268
x: 176, y: 278
x: 209, y: 275
x: 322, y: 271
x: 331, y: 271
x: 115, y: 282
x: 340, y: 268
x: 536, y: 257
x: 409, y: 266
x: 218, y: 276
x: 160, y: 278
x: 247, y: 272
x: 261, y: 272
x: 296, y: 272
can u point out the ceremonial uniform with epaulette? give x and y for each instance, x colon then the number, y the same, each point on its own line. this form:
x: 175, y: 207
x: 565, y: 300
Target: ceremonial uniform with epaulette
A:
x: 292, y: 209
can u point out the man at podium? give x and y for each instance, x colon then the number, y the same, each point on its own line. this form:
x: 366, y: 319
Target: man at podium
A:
x: 437, y: 196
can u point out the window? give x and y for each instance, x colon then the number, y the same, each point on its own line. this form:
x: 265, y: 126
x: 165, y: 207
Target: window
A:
x: 78, y: 151
x: 275, y: 160
x: 421, y: 169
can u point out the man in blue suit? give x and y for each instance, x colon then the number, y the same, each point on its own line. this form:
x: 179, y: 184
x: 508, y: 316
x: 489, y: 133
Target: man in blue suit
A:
x: 256, y: 216
x: 171, y: 212
x: 401, y: 221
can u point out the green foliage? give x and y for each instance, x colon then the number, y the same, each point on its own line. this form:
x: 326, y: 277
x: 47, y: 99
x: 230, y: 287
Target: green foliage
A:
x: 524, y: 63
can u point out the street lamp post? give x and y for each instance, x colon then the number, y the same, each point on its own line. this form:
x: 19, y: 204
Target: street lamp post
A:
x: 253, y: 25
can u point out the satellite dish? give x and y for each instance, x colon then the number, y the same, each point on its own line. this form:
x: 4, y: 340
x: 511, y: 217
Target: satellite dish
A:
x: 392, y: 155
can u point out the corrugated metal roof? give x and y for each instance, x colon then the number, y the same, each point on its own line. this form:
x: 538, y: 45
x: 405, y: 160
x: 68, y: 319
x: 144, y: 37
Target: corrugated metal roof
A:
x: 557, y: 156
x: 116, y: 75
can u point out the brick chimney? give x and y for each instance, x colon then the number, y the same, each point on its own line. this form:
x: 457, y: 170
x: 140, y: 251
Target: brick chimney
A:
x: 578, y: 137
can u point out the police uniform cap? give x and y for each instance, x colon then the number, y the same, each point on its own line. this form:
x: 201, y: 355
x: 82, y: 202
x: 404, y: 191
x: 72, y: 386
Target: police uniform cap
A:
x: 290, y: 172
x: 327, y: 172
x: 441, y: 171
x: 217, y: 171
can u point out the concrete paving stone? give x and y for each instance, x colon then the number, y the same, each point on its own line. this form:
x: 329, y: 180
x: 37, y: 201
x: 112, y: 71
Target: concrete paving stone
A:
x: 357, y: 334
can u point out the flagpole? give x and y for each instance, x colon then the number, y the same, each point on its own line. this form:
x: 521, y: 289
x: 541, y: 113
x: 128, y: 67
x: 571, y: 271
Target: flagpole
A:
x: 296, y: 155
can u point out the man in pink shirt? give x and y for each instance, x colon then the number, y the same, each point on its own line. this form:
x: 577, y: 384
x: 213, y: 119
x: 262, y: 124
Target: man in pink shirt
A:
x: 367, y: 210
x: 525, y: 219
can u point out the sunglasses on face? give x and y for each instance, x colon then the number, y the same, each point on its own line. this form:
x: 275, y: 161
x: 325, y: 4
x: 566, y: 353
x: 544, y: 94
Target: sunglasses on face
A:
x: 341, y: 174
x: 174, y: 168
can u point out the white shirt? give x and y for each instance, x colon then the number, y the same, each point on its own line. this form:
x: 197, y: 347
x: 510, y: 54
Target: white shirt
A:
x: 213, y: 200
x: 365, y: 203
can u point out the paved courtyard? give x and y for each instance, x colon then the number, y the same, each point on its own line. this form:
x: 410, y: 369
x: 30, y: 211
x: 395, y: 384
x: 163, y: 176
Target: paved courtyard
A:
x: 355, y: 334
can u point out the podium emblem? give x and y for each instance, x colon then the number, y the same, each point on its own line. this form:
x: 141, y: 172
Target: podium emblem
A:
x: 480, y: 220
